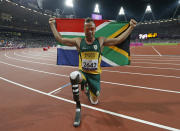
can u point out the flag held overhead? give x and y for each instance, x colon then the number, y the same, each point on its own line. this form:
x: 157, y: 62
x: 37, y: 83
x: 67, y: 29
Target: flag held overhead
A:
x: 118, y: 55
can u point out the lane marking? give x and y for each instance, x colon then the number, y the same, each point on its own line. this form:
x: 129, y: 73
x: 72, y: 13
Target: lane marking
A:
x: 76, y: 67
x: 21, y: 67
x: 156, y: 63
x: 133, y: 62
x: 156, y: 51
x: 35, y: 58
x: 153, y: 67
x: 42, y: 53
x: 153, y: 63
x: 36, y: 62
x: 40, y: 56
x: 59, y: 89
x: 145, y: 55
x: 155, y: 56
x: 156, y: 89
x: 141, y: 87
x: 48, y: 56
x: 95, y: 108
x: 153, y: 60
x: 132, y: 73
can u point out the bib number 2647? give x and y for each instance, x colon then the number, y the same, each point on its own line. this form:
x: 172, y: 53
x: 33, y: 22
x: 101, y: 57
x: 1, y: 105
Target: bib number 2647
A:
x: 90, y: 65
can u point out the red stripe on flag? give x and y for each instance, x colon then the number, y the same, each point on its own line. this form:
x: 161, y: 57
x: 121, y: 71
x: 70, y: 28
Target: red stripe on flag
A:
x: 74, y: 25
x: 99, y: 22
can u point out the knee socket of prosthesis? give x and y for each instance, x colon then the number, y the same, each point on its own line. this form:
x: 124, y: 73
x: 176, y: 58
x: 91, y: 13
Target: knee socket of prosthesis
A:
x: 75, y: 77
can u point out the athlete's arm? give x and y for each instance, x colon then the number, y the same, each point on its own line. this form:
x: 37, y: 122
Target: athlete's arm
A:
x: 57, y: 35
x: 122, y: 37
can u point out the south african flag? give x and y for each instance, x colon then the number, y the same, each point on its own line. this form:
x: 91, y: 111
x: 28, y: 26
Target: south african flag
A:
x: 118, y: 55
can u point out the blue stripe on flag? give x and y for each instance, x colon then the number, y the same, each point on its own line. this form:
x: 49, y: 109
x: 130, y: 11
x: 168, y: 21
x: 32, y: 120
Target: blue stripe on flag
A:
x: 67, y: 57
x: 104, y: 64
x: 71, y: 58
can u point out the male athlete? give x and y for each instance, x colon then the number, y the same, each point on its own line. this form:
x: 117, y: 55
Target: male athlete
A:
x: 90, y: 50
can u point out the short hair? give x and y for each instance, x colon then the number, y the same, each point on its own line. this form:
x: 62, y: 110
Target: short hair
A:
x: 88, y: 20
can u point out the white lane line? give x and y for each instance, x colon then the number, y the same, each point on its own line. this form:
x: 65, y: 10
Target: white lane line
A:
x: 134, y: 73
x: 59, y: 89
x: 131, y: 62
x: 21, y: 67
x: 42, y: 55
x: 37, y: 62
x: 141, y: 87
x: 156, y: 63
x: 43, y: 52
x: 143, y: 59
x: 153, y: 60
x: 145, y: 62
x: 29, y: 60
x: 152, y: 67
x: 34, y: 57
x: 156, y: 51
x: 95, y: 108
x: 155, y: 75
x: 156, y: 89
x: 50, y: 58
x: 157, y: 58
x: 76, y: 67
x: 144, y: 55
x: 177, y: 56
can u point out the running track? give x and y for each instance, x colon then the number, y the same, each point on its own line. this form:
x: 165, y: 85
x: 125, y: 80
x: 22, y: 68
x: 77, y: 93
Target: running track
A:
x: 142, y: 97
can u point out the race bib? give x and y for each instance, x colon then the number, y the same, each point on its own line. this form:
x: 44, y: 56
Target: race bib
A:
x: 89, y: 64
x: 90, y: 60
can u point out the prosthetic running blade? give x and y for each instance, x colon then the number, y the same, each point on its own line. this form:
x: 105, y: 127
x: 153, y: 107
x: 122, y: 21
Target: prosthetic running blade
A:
x: 77, y: 119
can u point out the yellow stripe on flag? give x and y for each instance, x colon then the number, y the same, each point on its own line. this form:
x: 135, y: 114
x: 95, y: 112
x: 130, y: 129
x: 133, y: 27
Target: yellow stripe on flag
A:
x: 120, y: 51
x: 119, y: 31
x: 115, y: 35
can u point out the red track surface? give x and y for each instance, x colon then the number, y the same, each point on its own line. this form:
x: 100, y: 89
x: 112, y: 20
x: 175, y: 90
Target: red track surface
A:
x: 148, y: 90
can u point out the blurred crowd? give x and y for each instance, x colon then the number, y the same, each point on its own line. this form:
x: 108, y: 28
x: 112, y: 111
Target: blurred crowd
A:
x: 20, y: 42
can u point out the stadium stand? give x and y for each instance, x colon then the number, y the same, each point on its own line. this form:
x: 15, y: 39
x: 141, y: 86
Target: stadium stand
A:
x: 22, y: 21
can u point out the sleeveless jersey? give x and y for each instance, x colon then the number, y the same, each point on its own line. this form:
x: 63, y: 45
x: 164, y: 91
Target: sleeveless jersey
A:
x: 90, y: 57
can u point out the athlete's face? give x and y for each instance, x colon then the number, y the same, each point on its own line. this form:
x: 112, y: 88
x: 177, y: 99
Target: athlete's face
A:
x: 89, y: 29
